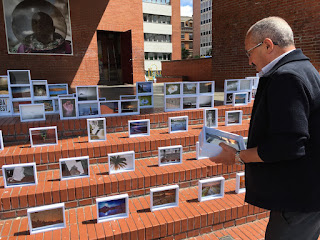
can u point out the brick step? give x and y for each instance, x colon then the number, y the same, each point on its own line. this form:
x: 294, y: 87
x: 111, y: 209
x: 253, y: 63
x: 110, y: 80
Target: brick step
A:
x: 191, y: 218
x: 13, y: 130
x: 248, y: 231
x: 48, y: 157
x: 79, y: 192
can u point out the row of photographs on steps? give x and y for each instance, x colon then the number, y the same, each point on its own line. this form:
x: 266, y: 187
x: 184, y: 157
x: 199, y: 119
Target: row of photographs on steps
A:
x: 52, y: 217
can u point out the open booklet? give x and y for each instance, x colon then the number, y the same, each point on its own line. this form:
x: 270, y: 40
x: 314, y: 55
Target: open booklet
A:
x: 210, y: 138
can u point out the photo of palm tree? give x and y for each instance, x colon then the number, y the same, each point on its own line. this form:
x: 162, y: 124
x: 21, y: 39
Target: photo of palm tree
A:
x: 121, y: 162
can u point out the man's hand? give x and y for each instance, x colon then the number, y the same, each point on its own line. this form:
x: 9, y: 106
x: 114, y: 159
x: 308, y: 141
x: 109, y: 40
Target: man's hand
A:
x: 227, y: 155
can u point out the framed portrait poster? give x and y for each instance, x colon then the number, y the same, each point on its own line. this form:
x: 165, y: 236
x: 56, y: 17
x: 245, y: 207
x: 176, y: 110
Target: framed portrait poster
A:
x: 43, y: 136
x: 121, y: 162
x: 19, y: 175
x: 112, y: 208
x: 164, y: 197
x: 178, y: 124
x: 170, y: 155
x: 240, y: 183
x: 139, y: 128
x: 211, y: 188
x: 32, y: 112
x: 46, y: 218
x: 97, y: 129
x: 38, y: 27
x: 75, y: 167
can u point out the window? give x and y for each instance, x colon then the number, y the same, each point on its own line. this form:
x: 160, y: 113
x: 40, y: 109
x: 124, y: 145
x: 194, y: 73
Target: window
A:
x: 146, y: 56
x: 191, y: 45
x: 145, y: 17
x: 182, y: 45
x: 182, y: 24
x: 182, y: 35
x: 190, y: 36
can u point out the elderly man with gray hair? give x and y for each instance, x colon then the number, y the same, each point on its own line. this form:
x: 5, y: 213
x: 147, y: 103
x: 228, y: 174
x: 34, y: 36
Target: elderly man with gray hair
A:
x: 282, y: 160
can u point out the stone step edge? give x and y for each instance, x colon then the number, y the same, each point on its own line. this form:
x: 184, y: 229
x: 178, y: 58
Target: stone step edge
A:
x: 189, y: 216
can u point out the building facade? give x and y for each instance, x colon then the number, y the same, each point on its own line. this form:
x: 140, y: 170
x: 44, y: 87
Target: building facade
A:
x: 160, y: 39
x: 202, y: 21
x: 187, y: 35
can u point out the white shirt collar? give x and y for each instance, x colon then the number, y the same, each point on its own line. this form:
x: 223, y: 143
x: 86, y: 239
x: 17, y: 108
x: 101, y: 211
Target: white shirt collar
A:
x: 270, y: 65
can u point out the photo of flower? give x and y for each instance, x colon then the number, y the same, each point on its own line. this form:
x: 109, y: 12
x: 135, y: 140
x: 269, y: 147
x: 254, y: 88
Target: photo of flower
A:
x: 145, y: 100
x: 172, y: 89
x: 189, y: 88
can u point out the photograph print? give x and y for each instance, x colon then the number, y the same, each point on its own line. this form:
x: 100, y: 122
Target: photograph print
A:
x: 109, y: 107
x: 75, y: 167
x: 233, y: 117
x: 138, y: 128
x: 43, y: 136
x: 240, y: 183
x: 206, y: 101
x: 164, y: 197
x: 48, y: 105
x: 18, y: 175
x: 4, y: 89
x: 246, y: 84
x: 88, y: 109
x: 144, y: 88
x: 231, y: 85
x: 46, y: 218
x: 206, y: 87
x: 87, y: 93
x: 21, y: 92
x: 228, y: 98
x: 19, y: 77
x: 172, y: 104
x: 178, y: 124
x: 32, y: 112
x: 170, y: 155
x: 68, y: 108
x: 146, y: 101
x: 16, y: 108
x: 121, y: 162
x: 210, y: 117
x: 38, y: 27
x: 96, y: 129
x: 57, y: 89
x: 112, y: 208
x: 5, y: 106
x: 212, y: 188
x: 172, y: 88
x: 129, y: 107
x: 189, y: 103
x: 40, y: 89
x: 240, y: 99
x: 190, y: 88
x: 216, y: 139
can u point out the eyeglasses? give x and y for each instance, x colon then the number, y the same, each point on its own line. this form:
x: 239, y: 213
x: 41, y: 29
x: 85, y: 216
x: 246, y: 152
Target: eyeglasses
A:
x: 248, y: 51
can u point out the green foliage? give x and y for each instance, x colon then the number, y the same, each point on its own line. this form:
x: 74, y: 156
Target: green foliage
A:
x: 184, y: 53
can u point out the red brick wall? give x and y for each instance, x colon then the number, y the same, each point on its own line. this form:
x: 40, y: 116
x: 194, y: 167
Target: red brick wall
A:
x: 82, y: 68
x: 192, y: 69
x: 196, y: 27
x: 176, y: 30
x: 231, y: 21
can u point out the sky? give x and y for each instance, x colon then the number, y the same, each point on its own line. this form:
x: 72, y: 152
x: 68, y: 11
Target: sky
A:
x: 186, y: 7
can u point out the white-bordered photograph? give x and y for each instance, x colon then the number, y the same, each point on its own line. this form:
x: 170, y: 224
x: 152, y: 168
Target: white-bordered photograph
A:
x: 245, y: 139
x: 75, y: 167
x: 146, y: 101
x: 233, y: 117
x: 19, y: 175
x: 43, y: 136
x: 178, y: 124
x: 210, y: 117
x: 127, y: 97
x: 170, y: 155
x: 139, y: 128
x: 206, y: 101
x: 190, y: 88
x: 5, y: 106
x: 58, y: 89
x: 231, y: 85
x: 38, y: 27
x: 228, y: 98
x: 212, y: 188
x: 15, y: 106
x: 164, y: 197
x: 87, y: 93
x: 173, y: 104
x: 46, y: 218
x: 97, y: 129
x: 48, y: 105
x: 206, y: 87
x: 144, y: 88
x: 210, y: 138
x: 32, y: 112
x: 4, y: 86
x: 19, y: 77
x: 129, y: 107
x: 109, y: 108
x: 20, y: 92
x: 245, y: 84
x: 40, y: 89
x: 121, y: 162
x: 171, y: 89
x: 68, y: 108
x: 88, y: 109
x: 112, y: 208
x: 189, y: 102
x: 198, y: 152
x: 240, y: 183
x: 240, y: 99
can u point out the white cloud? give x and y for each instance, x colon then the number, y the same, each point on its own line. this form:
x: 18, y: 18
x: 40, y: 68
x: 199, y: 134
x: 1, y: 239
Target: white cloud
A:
x: 186, y: 2
x: 186, y: 11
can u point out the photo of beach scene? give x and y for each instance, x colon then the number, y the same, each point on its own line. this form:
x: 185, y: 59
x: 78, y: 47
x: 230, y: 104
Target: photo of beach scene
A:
x: 57, y: 89
x: 214, y: 139
x: 4, y: 85
x: 164, y: 197
x: 211, y: 188
x: 88, y: 109
x: 178, y: 124
x: 129, y: 106
x: 47, y: 218
x: 111, y: 208
x: 138, y: 127
x: 240, y: 98
x: 21, y: 92
x: 170, y: 155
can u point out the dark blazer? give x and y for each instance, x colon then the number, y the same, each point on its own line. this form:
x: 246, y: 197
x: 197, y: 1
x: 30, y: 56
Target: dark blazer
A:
x: 285, y: 126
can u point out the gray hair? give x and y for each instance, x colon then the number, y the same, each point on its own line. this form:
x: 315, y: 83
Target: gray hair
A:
x: 275, y: 28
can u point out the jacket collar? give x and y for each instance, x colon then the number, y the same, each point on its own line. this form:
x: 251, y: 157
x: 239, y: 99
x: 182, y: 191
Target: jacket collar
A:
x: 295, y: 55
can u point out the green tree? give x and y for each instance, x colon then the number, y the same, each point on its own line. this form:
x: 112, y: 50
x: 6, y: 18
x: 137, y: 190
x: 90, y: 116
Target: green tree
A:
x: 184, y: 53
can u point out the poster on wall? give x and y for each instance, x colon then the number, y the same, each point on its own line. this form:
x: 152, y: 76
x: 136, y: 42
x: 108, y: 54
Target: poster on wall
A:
x: 38, y: 27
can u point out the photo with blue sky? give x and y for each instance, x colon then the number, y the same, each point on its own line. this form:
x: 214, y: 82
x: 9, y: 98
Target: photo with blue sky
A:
x: 186, y: 8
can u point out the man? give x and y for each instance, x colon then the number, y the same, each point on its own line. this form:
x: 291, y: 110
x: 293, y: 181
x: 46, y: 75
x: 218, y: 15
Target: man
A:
x: 283, y: 156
